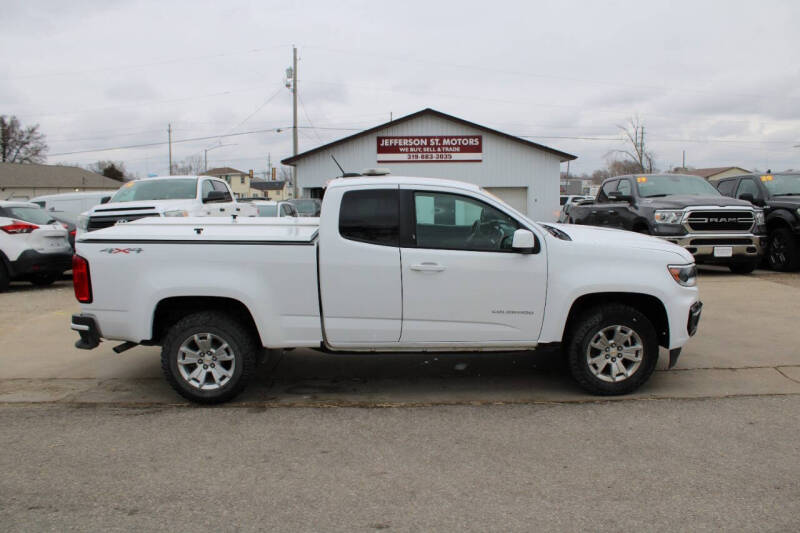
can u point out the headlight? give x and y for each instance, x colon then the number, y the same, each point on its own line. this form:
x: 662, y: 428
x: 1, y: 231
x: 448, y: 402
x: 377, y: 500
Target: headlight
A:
x: 82, y: 223
x: 759, y: 217
x: 668, y: 216
x: 176, y: 213
x: 685, y: 275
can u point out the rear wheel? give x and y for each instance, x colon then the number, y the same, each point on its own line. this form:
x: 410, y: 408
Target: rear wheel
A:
x: 4, y: 278
x: 743, y: 268
x: 612, y: 349
x: 783, y: 252
x: 208, y: 357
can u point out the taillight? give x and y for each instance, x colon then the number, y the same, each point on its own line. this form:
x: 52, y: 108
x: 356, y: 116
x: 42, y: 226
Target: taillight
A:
x: 17, y: 226
x: 81, y: 280
x: 72, y: 233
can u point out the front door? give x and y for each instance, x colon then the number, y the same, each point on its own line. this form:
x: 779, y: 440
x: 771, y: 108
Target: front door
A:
x: 462, y: 283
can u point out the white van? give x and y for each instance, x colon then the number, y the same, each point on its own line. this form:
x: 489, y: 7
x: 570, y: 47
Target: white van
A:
x: 71, y: 203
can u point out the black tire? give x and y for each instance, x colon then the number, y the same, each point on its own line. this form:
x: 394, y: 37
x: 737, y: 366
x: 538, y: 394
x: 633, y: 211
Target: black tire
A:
x: 644, y: 230
x: 743, y: 267
x: 783, y: 250
x: 242, y: 343
x: 4, y: 278
x: 43, y: 280
x: 588, y: 325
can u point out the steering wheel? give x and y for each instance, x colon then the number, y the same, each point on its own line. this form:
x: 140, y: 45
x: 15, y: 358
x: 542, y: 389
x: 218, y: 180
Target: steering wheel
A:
x: 488, y: 232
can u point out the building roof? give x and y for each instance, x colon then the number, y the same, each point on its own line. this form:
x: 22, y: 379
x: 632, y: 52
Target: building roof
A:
x: 267, y: 185
x: 223, y: 171
x: 41, y: 176
x: 708, y: 172
x: 428, y: 111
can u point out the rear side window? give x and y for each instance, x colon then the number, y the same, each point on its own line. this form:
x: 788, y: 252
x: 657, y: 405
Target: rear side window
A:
x: 371, y: 216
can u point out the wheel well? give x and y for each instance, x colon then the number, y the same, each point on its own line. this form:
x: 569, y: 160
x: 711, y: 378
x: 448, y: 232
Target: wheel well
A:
x: 170, y: 310
x: 777, y: 222
x: 640, y: 224
x: 648, y: 305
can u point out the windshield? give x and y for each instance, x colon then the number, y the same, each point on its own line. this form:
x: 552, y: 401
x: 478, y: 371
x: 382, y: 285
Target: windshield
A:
x: 268, y: 210
x: 34, y: 215
x: 169, y: 189
x: 782, y: 185
x: 669, y: 185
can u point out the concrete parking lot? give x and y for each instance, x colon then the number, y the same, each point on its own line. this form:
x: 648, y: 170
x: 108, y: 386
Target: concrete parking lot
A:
x: 92, y: 440
x: 747, y: 345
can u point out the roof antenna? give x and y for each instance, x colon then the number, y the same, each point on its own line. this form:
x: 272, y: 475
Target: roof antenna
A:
x: 344, y: 174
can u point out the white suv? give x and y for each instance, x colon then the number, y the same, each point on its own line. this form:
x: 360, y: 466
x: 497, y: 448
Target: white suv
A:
x: 33, y: 245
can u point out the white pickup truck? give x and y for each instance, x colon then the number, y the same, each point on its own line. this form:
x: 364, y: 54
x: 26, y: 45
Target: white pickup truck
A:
x: 167, y: 196
x: 395, y: 264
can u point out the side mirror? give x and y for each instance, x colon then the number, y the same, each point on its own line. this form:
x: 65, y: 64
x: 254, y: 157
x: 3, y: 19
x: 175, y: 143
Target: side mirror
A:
x: 747, y: 196
x: 619, y: 197
x: 523, y: 241
x: 105, y: 200
x: 215, y: 196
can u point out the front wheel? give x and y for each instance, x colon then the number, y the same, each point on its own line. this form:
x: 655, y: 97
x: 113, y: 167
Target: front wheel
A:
x: 612, y: 349
x: 208, y: 357
x: 783, y: 251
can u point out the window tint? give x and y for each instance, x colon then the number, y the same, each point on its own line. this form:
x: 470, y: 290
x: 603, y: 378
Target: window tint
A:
x: 371, y: 216
x: 726, y: 187
x: 206, y: 188
x: 219, y: 186
x: 747, y: 185
x: 624, y: 187
x: 34, y: 215
x: 453, y: 222
x: 564, y: 199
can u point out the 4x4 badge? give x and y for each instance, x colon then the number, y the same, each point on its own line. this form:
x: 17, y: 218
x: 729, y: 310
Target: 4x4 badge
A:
x: 121, y: 250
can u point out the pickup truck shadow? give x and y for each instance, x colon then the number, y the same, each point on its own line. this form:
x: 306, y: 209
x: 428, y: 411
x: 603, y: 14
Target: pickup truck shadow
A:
x: 305, y: 376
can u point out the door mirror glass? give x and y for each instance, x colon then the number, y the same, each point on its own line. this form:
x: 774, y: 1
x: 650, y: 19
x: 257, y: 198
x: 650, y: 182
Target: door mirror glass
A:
x: 523, y: 241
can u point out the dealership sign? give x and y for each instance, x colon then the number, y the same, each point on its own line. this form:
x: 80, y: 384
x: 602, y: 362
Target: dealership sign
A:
x: 430, y: 149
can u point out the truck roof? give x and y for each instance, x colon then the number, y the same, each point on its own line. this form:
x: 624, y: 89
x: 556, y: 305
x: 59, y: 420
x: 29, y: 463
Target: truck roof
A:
x: 401, y: 180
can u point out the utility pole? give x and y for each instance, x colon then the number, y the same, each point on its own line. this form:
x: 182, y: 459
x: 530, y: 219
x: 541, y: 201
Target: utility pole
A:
x: 294, y: 118
x: 169, y: 135
x: 683, y: 165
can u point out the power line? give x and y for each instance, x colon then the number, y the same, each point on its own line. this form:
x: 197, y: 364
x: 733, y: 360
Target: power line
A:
x: 162, y: 143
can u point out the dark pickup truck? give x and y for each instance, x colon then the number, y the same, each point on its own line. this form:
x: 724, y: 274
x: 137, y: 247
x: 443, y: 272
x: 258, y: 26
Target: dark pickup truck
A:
x: 779, y: 195
x: 685, y: 210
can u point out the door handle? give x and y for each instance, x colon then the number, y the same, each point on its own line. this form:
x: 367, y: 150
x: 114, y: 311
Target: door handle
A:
x: 428, y: 267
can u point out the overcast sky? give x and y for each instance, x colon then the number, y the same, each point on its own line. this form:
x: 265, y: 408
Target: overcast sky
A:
x: 720, y: 80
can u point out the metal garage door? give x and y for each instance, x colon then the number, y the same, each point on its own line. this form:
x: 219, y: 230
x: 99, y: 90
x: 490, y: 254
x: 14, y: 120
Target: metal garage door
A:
x: 516, y: 197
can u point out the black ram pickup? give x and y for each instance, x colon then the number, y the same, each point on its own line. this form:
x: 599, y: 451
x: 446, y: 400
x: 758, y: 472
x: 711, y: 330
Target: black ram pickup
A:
x: 779, y: 195
x: 685, y: 210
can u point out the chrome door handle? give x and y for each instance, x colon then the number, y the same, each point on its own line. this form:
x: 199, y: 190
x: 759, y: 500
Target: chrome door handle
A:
x: 428, y: 267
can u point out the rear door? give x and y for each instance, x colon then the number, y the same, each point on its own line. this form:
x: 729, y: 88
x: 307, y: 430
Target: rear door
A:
x: 359, y: 267
x: 462, y: 283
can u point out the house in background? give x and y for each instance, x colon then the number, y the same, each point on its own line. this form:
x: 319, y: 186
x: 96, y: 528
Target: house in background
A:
x: 716, y: 173
x: 239, y: 181
x: 26, y: 181
x: 274, y: 190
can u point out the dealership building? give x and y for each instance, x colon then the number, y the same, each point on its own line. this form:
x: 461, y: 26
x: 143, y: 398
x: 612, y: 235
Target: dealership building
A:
x: 433, y: 144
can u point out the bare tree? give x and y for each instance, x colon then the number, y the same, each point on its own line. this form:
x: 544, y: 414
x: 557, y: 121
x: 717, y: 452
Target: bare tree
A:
x: 110, y: 169
x: 636, y: 151
x: 21, y: 145
x: 192, y: 165
x: 618, y: 167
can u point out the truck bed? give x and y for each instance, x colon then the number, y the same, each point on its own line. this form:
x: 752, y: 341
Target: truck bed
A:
x: 270, y: 267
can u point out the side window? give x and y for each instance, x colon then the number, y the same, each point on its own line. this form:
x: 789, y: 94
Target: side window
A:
x: 286, y: 210
x: 219, y: 186
x: 726, y: 187
x: 452, y: 222
x: 605, y: 189
x: 371, y: 216
x: 624, y: 187
x: 747, y: 185
x: 206, y: 188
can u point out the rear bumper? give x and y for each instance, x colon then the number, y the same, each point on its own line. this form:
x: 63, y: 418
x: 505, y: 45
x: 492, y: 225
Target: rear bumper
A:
x: 31, y: 262
x: 86, y: 326
x: 744, y: 246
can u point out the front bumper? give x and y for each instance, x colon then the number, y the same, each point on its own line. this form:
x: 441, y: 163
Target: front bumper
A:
x: 744, y: 246
x: 86, y: 326
x: 31, y: 262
